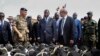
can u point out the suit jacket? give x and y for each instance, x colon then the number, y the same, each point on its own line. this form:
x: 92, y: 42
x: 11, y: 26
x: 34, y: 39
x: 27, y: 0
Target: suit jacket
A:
x: 6, y: 36
x: 68, y: 30
x: 57, y: 22
x: 47, y: 30
x: 36, y: 29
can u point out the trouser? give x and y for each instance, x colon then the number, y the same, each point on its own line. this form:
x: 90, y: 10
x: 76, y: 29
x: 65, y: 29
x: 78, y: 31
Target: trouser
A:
x: 61, y: 40
x: 89, y: 42
x: 98, y: 45
x: 2, y: 41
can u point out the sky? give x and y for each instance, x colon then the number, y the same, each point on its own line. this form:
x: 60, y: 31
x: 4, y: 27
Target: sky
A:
x: 36, y: 7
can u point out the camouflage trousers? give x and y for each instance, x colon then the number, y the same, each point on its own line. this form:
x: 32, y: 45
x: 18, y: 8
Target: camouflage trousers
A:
x: 22, y: 40
x: 89, y: 41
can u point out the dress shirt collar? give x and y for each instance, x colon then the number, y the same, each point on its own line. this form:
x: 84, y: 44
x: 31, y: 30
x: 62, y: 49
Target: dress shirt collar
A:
x: 65, y: 18
x: 47, y: 18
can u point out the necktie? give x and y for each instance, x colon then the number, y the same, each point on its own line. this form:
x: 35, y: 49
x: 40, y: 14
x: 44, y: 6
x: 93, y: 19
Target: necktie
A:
x: 62, y: 26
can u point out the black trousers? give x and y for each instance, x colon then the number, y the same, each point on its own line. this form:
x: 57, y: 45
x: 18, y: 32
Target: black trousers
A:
x: 60, y: 40
x: 2, y: 41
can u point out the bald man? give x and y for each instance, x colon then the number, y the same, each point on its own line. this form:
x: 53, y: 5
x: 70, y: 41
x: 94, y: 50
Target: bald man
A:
x: 67, y: 29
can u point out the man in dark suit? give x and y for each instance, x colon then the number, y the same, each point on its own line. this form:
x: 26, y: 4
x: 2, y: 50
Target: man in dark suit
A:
x: 67, y: 29
x: 36, y: 29
x: 57, y: 21
x: 11, y: 22
x: 47, y: 28
x: 5, y: 31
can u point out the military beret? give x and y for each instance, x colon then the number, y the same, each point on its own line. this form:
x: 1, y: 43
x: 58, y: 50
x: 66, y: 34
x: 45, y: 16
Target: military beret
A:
x: 23, y: 9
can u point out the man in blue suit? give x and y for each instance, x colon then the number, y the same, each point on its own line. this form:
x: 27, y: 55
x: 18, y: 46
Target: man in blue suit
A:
x: 5, y: 31
x: 47, y: 25
x: 78, y: 29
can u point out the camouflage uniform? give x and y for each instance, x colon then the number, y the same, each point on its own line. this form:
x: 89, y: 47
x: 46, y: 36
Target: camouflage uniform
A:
x: 21, y: 25
x: 90, y: 33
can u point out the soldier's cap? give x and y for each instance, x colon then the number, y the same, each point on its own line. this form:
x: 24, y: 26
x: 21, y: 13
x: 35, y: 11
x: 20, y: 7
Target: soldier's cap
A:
x: 90, y: 12
x: 23, y: 9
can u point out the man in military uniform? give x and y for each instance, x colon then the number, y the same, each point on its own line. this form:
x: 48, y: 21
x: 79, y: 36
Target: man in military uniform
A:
x: 20, y: 27
x: 90, y: 31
